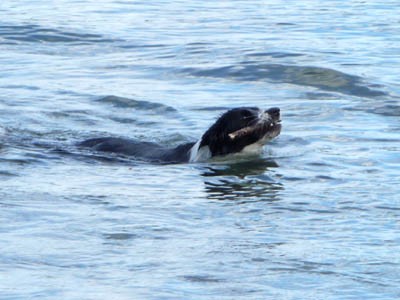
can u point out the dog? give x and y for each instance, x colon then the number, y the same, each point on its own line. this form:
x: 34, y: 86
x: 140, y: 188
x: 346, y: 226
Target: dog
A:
x: 242, y: 130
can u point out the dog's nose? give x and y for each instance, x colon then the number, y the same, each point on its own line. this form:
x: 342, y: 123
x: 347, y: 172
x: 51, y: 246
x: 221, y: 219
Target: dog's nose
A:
x: 274, y: 112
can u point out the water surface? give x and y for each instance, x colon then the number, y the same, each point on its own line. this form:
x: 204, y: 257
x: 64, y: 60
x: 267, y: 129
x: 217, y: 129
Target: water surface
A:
x: 314, y: 217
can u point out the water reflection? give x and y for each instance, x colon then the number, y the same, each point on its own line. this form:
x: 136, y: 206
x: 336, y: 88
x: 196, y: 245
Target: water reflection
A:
x: 243, y: 181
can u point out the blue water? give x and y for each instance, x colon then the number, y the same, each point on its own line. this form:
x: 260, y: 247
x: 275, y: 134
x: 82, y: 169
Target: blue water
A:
x: 316, y: 216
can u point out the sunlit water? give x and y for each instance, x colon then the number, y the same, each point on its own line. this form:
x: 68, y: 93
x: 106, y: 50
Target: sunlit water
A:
x: 315, y: 217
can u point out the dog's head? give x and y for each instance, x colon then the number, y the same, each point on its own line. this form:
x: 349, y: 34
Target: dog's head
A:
x: 236, y: 130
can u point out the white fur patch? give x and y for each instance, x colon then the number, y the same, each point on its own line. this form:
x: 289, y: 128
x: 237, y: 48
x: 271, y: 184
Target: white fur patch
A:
x: 198, y: 155
x: 255, y: 148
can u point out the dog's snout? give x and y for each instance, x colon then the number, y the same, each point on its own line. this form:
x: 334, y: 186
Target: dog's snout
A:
x: 274, y: 112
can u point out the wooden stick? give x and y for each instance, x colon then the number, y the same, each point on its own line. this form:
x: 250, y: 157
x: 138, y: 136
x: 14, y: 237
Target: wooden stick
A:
x: 246, y: 130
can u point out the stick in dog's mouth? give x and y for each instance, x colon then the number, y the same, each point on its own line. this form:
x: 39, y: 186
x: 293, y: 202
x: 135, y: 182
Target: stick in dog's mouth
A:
x: 259, y: 126
x: 246, y: 130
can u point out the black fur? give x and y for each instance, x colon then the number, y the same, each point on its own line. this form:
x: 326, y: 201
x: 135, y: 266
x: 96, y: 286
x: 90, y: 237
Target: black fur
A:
x: 144, y: 150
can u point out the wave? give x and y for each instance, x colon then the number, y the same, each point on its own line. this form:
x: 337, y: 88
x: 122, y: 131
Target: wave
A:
x: 38, y: 34
x: 322, y: 78
x: 384, y: 109
x: 388, y: 110
x: 123, y: 102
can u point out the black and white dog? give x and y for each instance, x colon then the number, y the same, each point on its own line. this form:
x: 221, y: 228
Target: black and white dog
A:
x: 239, y: 130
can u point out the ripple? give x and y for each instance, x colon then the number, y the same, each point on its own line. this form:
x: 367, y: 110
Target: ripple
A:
x: 202, y: 278
x: 18, y: 161
x: 142, y: 46
x: 21, y: 86
x: 36, y: 34
x: 323, y: 78
x: 212, y: 108
x: 389, y: 208
x: 320, y: 95
x: 123, y: 102
x: 387, y: 110
x: 275, y: 54
x: 285, y: 24
x: 120, y: 236
x: 7, y: 174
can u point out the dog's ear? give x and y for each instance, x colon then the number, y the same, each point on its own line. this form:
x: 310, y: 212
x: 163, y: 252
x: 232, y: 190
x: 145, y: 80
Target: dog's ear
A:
x: 214, y: 143
x: 219, y: 143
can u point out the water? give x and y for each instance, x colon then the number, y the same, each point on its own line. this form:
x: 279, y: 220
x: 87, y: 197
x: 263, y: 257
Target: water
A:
x: 315, y: 217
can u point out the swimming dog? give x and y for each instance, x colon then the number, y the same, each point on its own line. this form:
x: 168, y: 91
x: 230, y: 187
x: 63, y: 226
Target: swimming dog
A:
x: 239, y: 130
